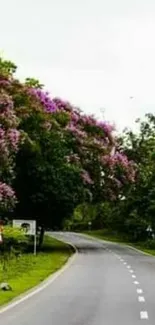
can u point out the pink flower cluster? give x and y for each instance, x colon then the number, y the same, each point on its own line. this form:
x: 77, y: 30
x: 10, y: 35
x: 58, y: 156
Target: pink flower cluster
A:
x: 13, y: 137
x: 48, y: 104
x: 7, y: 196
x: 107, y: 128
x: 7, y: 115
x: 3, y: 146
x: 6, y: 191
x: 76, y: 131
x: 9, y: 141
x: 62, y: 105
x: 4, y: 81
x: 102, y: 125
x: 117, y: 158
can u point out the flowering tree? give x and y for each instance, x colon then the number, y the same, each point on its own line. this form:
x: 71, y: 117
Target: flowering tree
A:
x: 9, y: 141
x: 67, y: 157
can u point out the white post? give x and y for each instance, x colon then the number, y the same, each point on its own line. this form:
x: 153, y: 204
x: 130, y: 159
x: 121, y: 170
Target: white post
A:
x: 35, y: 244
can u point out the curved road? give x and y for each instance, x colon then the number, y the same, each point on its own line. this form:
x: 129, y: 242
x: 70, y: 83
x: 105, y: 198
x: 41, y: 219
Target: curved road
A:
x: 107, y: 284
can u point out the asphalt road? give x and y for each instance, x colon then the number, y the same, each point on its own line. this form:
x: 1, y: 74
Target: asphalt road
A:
x: 107, y: 284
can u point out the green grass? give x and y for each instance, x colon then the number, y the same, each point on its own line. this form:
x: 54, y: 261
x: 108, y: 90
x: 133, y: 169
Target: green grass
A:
x: 29, y: 270
x: 109, y: 236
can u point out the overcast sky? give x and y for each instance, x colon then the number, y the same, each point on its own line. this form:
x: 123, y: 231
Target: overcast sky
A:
x: 95, y: 53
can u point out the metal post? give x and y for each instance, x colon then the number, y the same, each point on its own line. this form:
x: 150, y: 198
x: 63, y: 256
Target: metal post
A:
x: 35, y: 244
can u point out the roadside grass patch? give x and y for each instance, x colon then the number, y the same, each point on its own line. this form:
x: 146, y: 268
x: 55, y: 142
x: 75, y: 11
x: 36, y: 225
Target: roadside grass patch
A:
x: 27, y: 271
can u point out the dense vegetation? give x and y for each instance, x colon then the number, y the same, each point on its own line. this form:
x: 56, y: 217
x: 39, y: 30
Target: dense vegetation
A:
x: 65, y: 169
x: 128, y: 217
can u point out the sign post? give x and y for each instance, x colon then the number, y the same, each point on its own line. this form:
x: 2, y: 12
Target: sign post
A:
x: 35, y: 244
x: 1, y: 234
x: 29, y: 228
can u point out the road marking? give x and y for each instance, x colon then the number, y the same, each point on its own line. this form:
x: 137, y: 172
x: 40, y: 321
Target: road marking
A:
x: 45, y: 283
x: 141, y: 299
x: 136, y: 282
x: 133, y: 276
x: 125, y: 263
x: 131, y: 271
x: 144, y: 315
x: 139, y: 291
x: 128, y: 267
x: 122, y: 260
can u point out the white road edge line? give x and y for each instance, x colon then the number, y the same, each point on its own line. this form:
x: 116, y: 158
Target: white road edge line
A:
x: 144, y: 315
x: 128, y: 267
x: 44, y: 284
x: 133, y: 276
x: 131, y: 271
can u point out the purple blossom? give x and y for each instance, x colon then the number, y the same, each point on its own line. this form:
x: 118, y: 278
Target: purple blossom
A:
x: 76, y: 131
x: 4, y: 82
x: 105, y: 126
x: 13, y: 136
x: 62, y: 105
x: 48, y: 104
x: 7, y: 196
x: 6, y: 191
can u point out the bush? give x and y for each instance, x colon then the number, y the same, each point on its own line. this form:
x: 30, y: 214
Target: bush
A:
x: 150, y: 244
x: 14, y: 238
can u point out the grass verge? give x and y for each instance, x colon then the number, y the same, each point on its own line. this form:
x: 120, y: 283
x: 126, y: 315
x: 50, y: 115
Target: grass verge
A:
x: 105, y: 235
x: 29, y: 270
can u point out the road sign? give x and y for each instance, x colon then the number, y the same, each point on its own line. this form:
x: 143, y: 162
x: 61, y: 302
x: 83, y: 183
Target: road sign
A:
x: 28, y: 226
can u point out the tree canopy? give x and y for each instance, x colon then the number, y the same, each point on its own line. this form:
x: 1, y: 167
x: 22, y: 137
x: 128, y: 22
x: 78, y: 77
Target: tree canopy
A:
x: 53, y: 156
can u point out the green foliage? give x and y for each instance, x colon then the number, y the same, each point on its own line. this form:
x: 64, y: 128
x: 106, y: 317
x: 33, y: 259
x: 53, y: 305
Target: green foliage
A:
x: 34, y: 83
x: 7, y: 68
x: 14, y: 240
x: 13, y: 235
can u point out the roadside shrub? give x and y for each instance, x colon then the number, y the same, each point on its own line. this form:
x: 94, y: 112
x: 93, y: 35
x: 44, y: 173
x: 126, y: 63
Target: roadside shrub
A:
x: 14, y: 239
x: 150, y: 244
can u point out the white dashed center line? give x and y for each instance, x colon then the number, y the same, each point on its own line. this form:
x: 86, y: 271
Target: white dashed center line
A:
x: 139, y: 291
x: 136, y: 282
x: 141, y: 299
x: 144, y: 315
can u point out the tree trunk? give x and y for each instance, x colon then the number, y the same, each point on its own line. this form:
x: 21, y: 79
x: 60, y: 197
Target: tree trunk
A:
x: 41, y: 237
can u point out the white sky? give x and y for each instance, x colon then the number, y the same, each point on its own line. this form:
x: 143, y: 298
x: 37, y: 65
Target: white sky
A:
x: 94, y: 53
